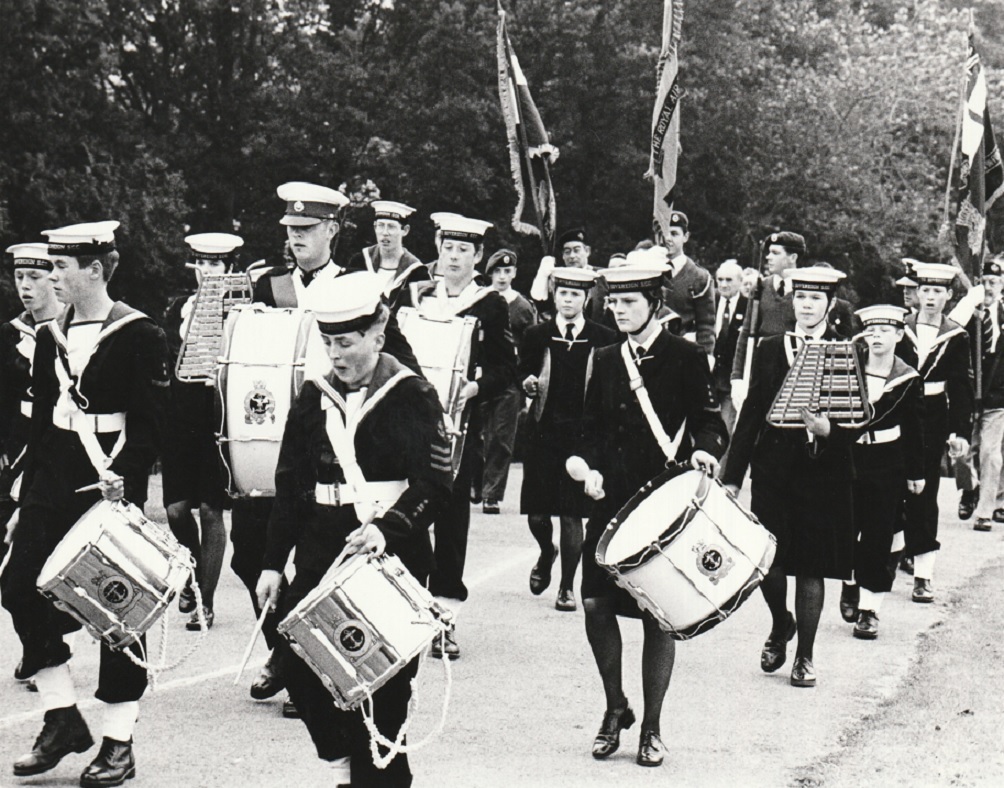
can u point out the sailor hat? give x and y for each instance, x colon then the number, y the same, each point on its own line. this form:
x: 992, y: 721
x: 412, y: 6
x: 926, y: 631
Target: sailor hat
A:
x: 213, y: 246
x: 35, y: 255
x: 882, y: 315
x: 82, y: 239
x: 350, y: 302
x: 388, y: 209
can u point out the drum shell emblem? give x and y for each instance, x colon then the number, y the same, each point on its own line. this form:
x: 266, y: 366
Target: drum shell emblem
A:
x: 712, y: 561
x: 259, y: 404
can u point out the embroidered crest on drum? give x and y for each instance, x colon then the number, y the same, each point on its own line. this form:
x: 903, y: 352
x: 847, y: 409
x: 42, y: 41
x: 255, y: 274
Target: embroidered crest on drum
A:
x: 259, y: 404
x: 712, y: 562
x: 117, y: 591
x: 353, y: 638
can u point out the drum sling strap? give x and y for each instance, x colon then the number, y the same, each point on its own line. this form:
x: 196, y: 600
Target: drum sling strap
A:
x: 669, y: 446
x: 341, y: 429
x: 70, y: 399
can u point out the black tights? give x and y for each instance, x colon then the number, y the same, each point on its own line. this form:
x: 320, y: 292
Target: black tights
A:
x: 657, y: 659
x: 571, y: 543
x: 809, y: 594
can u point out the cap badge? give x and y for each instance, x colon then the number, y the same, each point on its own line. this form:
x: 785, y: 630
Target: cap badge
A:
x: 298, y: 206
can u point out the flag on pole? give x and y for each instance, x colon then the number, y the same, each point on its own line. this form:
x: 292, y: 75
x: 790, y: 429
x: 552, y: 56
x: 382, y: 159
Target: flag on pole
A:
x: 981, y: 175
x: 666, y: 119
x: 530, y: 151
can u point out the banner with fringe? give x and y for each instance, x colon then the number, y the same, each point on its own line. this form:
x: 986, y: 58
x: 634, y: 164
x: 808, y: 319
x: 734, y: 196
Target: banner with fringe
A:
x: 530, y: 151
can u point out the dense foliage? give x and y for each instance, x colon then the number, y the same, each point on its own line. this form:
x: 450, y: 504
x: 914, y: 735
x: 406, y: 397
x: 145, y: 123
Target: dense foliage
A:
x: 833, y: 118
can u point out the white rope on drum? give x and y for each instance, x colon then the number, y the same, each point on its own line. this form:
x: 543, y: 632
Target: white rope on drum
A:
x: 396, y: 747
x: 153, y: 671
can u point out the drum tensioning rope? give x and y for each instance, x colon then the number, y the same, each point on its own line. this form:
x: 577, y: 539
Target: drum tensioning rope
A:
x: 396, y: 747
x: 153, y: 671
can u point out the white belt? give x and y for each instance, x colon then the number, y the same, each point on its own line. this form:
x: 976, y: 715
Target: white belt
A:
x: 880, y: 436
x: 935, y: 388
x: 26, y: 409
x: 371, y: 492
x: 99, y: 422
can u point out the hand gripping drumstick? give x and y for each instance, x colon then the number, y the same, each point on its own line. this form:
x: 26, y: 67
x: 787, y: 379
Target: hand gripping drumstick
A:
x: 254, y: 639
x: 577, y: 468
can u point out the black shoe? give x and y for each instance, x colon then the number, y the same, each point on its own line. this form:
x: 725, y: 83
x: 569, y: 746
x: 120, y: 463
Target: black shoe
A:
x: 565, y: 601
x: 849, y: 596
x: 967, y: 503
x: 906, y: 564
x: 866, y: 627
x: 540, y: 575
x: 289, y: 710
x: 186, y: 600
x: 922, y: 591
x: 775, y: 649
x: 446, y: 644
x: 609, y: 738
x: 270, y: 681
x: 31, y: 686
x: 651, y: 750
x: 194, y: 625
x: 802, y: 673
x: 476, y: 496
x: 998, y: 516
x: 491, y: 507
x: 114, y: 765
x: 982, y: 524
x: 63, y: 731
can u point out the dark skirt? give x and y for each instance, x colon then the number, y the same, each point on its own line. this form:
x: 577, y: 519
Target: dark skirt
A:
x: 547, y: 487
x: 813, y: 521
x: 191, y: 459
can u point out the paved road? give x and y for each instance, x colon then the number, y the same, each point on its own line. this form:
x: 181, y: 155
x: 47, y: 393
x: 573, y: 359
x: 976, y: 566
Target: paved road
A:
x: 526, y: 701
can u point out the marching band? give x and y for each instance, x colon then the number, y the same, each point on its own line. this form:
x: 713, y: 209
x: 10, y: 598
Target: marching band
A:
x: 348, y: 442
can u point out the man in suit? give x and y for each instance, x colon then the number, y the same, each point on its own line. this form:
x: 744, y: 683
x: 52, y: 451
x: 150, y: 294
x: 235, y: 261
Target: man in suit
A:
x: 775, y: 313
x: 731, y: 312
x: 690, y: 293
x: 990, y: 507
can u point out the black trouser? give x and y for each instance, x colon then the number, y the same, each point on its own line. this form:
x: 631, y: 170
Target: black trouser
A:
x: 920, y: 528
x: 453, y: 525
x: 249, y: 532
x: 39, y: 625
x: 877, y: 500
x: 338, y: 733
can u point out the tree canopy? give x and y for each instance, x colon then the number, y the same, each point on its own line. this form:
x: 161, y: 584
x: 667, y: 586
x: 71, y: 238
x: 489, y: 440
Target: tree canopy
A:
x: 835, y: 119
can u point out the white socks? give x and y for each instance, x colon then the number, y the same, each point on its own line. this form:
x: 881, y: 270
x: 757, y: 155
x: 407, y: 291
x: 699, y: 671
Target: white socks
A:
x: 55, y: 687
x: 923, y: 565
x: 871, y: 600
x: 120, y: 720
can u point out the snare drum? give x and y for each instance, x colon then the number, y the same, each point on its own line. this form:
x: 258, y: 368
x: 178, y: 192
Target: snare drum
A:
x: 686, y: 551
x: 116, y: 572
x: 365, y: 620
x: 266, y: 353
x: 443, y: 348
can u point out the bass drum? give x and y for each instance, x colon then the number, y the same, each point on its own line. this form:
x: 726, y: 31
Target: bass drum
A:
x: 267, y: 354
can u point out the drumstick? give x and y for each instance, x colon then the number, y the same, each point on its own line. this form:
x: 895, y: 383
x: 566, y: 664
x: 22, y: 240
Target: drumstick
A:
x: 88, y: 487
x: 254, y: 639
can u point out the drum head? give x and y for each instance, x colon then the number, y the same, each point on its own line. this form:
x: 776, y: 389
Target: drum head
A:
x: 85, y: 532
x: 660, y: 506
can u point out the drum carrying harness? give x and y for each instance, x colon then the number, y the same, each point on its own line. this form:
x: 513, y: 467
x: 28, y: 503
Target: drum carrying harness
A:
x: 669, y: 446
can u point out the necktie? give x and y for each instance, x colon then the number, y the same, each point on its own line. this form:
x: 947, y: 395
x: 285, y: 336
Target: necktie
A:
x: 569, y: 335
x: 780, y: 289
x: 308, y: 276
x: 726, y: 317
x: 988, y: 333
